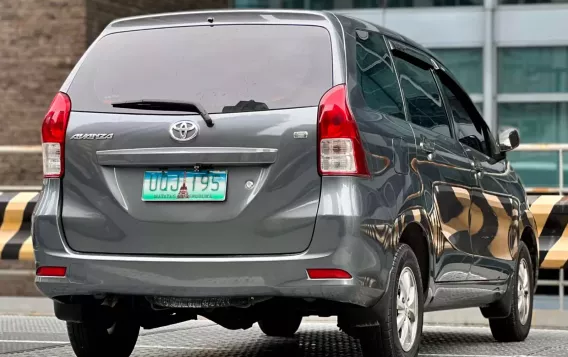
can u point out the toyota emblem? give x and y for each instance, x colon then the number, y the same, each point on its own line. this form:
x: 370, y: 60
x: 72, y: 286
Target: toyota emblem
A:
x: 183, y: 130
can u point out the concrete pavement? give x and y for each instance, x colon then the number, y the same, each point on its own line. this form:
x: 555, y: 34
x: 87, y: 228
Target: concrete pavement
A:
x: 43, y: 336
x: 543, y: 318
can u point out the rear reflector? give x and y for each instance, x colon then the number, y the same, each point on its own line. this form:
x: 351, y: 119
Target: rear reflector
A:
x: 51, y: 271
x: 53, y: 135
x: 328, y: 274
x: 340, y: 148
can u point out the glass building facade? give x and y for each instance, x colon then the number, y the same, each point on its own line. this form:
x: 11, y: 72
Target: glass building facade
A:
x: 366, y: 4
x: 511, y: 55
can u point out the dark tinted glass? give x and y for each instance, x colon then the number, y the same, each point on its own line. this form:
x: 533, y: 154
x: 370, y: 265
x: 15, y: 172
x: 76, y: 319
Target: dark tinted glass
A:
x: 424, y: 102
x: 220, y: 67
x: 467, y: 131
x: 376, y: 75
x: 466, y: 64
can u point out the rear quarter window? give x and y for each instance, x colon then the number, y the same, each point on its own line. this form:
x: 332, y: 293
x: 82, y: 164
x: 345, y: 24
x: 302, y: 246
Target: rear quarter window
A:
x: 226, y: 68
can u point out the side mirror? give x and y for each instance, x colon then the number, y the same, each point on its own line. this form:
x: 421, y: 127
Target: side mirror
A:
x: 509, y: 139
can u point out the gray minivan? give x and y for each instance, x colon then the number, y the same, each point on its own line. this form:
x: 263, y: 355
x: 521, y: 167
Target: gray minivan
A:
x: 259, y: 166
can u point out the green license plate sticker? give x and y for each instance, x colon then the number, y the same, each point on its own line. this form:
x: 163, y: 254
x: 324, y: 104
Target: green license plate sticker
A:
x: 184, y: 186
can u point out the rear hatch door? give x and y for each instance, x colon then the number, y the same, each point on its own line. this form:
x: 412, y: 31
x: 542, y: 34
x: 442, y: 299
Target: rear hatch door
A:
x: 163, y: 182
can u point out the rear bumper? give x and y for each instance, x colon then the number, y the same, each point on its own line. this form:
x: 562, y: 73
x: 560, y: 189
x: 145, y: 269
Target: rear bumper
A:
x: 336, y: 244
x: 282, y: 276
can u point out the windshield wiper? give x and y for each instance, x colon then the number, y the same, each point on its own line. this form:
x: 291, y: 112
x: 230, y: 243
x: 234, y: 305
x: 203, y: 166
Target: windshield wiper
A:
x: 166, y: 105
x: 245, y: 106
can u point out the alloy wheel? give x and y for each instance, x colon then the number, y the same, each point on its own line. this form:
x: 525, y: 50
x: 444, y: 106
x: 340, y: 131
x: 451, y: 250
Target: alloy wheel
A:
x: 523, y: 292
x: 407, y: 309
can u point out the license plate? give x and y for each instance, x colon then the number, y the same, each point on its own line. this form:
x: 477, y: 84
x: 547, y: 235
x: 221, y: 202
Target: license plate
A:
x: 184, y: 186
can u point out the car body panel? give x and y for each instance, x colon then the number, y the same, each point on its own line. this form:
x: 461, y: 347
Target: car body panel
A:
x: 495, y: 220
x: 216, y: 276
x: 445, y: 180
x: 104, y: 212
x: 456, y: 180
x: 387, y: 141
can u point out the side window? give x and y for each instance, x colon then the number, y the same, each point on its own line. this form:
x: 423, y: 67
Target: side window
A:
x: 376, y: 76
x: 425, y: 105
x: 469, y: 131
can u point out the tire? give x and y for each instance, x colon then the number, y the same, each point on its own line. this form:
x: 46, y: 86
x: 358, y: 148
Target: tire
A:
x: 384, y: 340
x: 516, y: 326
x: 95, y: 340
x: 285, y: 326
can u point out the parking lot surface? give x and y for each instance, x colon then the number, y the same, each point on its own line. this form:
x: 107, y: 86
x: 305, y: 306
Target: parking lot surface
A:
x: 46, y: 336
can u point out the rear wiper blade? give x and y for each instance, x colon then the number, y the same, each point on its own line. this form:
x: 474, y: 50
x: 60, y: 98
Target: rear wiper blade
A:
x: 245, y: 106
x: 166, y: 105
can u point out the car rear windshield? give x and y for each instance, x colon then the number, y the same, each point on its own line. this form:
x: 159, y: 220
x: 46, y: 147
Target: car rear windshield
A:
x: 228, y: 68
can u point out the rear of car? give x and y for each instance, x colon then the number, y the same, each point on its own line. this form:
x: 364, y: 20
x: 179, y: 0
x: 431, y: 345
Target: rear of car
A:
x: 121, y: 194
x: 204, y: 156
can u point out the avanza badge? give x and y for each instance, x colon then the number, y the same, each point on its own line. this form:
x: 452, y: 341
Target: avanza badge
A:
x: 92, y: 136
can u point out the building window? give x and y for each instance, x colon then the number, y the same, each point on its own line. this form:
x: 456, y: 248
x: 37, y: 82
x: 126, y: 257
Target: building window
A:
x: 308, y: 4
x: 533, y: 70
x: 479, y: 106
x: 508, y: 2
x: 251, y: 3
x: 350, y: 4
x: 533, y: 97
x: 465, y: 64
x: 537, y: 123
x: 427, y: 3
x: 342, y: 4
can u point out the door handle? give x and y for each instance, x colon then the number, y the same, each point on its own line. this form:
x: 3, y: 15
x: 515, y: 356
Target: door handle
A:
x: 427, y: 146
x: 477, y: 168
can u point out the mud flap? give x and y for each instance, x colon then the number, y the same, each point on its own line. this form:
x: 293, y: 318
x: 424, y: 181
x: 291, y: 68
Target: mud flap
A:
x: 355, y: 320
x: 502, y: 307
x: 82, y: 312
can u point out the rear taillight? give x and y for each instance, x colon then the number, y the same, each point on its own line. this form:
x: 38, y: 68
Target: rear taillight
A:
x: 53, y: 135
x: 340, y: 148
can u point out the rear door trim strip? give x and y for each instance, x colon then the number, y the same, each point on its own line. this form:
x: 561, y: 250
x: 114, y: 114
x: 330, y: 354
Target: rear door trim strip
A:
x: 165, y: 156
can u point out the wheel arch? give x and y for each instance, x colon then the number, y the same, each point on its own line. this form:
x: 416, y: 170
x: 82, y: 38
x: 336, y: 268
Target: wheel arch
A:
x: 415, y: 234
x: 528, y: 237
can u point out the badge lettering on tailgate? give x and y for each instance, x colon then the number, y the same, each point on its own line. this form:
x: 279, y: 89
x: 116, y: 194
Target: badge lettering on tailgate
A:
x: 92, y: 136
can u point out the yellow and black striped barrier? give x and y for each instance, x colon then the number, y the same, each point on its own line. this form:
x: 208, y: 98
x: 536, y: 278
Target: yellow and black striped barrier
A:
x: 551, y: 216
x: 16, y: 210
x: 550, y: 213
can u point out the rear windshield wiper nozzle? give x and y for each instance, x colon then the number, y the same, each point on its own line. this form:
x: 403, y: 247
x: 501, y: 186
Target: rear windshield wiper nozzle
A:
x: 166, y: 105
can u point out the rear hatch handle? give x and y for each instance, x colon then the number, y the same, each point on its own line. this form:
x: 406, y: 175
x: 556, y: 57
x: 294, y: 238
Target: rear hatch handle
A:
x: 166, y: 105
